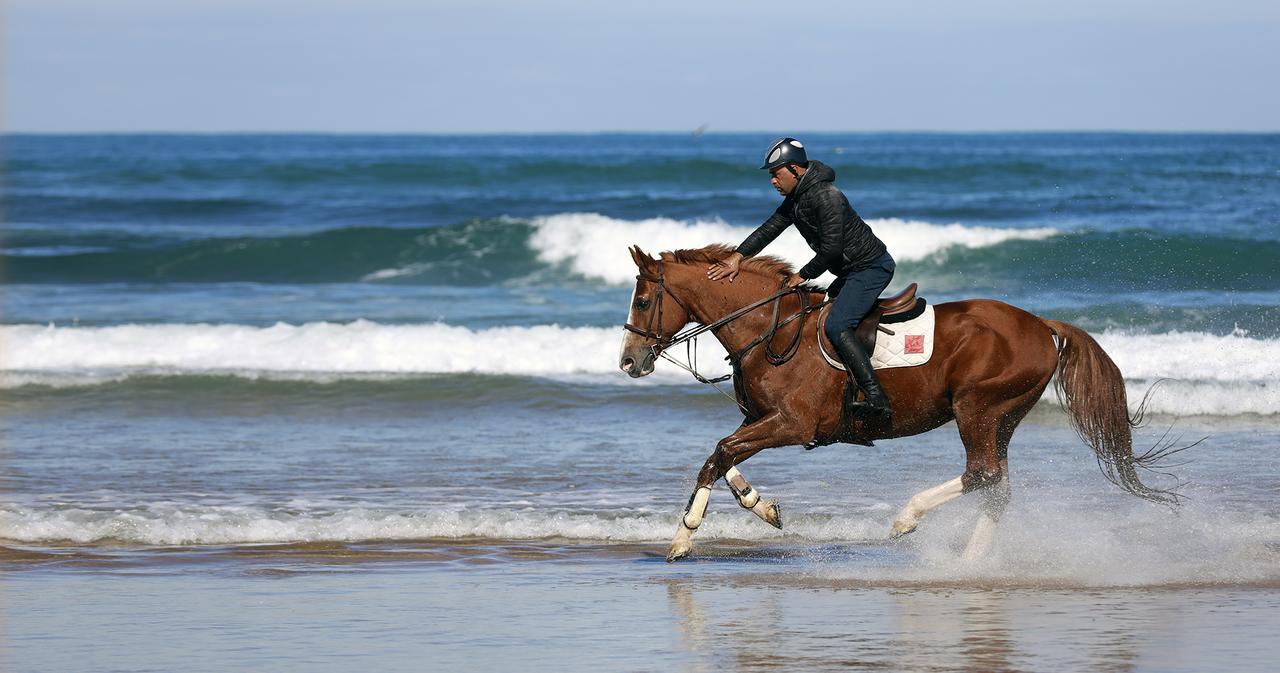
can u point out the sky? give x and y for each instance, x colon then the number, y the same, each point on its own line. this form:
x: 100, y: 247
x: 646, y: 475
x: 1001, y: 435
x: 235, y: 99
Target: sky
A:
x: 511, y: 66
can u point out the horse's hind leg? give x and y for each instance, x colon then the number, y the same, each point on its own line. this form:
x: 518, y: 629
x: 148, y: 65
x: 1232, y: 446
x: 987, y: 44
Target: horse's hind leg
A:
x: 986, y: 439
x: 994, y: 500
x: 922, y: 502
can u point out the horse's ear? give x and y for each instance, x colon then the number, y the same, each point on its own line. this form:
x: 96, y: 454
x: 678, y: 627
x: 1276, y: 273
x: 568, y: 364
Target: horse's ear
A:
x: 642, y: 259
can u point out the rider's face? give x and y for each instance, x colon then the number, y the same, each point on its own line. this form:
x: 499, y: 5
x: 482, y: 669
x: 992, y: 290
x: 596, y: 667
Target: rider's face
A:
x: 783, y: 180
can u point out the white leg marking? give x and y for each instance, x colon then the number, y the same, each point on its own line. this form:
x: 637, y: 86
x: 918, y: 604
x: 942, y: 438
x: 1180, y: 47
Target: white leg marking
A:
x: 983, y: 535
x: 997, y: 498
x: 681, y: 545
x: 924, y: 501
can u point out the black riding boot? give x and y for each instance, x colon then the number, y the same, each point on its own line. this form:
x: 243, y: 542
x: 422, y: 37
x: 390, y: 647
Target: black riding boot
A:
x: 856, y: 360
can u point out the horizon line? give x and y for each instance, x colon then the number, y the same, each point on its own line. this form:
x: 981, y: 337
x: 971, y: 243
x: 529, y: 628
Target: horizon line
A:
x: 695, y: 132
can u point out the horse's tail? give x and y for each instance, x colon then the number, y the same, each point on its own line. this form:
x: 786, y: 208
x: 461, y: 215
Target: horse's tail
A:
x: 1091, y: 390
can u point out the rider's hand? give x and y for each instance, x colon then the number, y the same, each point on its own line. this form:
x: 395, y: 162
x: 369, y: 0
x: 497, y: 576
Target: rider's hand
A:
x: 725, y: 268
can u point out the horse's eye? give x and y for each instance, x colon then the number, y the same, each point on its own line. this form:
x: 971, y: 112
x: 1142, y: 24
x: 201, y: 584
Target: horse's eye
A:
x: 642, y: 303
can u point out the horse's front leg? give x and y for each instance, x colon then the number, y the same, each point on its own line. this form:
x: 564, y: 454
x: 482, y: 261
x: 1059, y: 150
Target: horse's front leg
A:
x: 770, y: 431
x: 749, y: 498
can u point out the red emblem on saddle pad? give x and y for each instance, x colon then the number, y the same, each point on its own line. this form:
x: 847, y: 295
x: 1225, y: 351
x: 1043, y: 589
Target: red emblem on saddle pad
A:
x: 914, y: 344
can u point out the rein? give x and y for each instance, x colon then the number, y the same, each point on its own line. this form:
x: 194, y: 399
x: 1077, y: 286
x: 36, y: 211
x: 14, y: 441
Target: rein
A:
x: 690, y: 336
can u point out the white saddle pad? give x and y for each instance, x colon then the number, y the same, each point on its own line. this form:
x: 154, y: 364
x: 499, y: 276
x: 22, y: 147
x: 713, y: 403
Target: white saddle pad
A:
x: 910, y: 345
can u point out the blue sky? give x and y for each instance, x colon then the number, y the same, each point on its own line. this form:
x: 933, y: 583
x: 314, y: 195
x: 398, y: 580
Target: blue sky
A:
x: 553, y: 65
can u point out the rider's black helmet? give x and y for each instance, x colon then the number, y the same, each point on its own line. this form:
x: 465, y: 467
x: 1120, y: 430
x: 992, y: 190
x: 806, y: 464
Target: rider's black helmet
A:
x: 784, y: 151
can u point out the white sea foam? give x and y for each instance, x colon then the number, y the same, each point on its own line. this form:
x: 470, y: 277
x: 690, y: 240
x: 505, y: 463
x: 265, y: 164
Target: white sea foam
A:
x: 595, y: 246
x: 324, y: 347
x: 1065, y: 538
x: 1193, y: 355
x: 178, y: 524
x: 1212, y: 374
x: 1038, y: 541
x: 1208, y: 374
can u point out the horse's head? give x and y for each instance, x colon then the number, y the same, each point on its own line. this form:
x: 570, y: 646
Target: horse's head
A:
x: 656, y: 315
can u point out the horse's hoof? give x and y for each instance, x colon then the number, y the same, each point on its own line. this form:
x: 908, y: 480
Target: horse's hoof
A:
x: 678, y: 552
x: 901, y: 528
x: 773, y: 514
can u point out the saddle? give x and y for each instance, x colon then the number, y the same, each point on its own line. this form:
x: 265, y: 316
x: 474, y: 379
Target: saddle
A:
x: 900, y: 307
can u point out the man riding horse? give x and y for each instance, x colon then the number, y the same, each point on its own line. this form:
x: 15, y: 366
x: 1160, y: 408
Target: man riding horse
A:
x: 990, y: 362
x: 843, y: 244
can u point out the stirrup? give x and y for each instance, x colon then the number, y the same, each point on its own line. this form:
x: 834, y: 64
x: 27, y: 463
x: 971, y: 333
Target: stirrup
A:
x: 864, y: 409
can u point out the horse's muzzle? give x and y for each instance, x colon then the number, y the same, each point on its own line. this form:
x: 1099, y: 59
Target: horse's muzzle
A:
x: 637, y: 368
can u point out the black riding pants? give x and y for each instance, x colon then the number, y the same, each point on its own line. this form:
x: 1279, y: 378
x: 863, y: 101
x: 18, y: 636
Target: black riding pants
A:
x: 855, y: 293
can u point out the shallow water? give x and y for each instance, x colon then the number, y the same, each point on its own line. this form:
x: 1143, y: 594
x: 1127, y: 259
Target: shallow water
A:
x: 422, y: 526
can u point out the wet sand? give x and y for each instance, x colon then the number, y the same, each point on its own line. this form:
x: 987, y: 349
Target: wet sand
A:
x: 555, y: 605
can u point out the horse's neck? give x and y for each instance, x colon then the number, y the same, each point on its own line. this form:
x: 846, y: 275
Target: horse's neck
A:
x: 713, y: 300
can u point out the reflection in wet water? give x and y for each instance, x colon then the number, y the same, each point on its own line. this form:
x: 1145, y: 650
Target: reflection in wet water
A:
x: 568, y: 608
x: 802, y: 626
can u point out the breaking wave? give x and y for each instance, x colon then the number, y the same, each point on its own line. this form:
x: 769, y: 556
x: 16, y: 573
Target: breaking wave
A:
x: 476, y: 252
x: 595, y: 246
x: 1209, y: 374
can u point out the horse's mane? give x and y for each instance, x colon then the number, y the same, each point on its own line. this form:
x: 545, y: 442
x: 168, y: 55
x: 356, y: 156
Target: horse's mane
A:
x: 766, y: 265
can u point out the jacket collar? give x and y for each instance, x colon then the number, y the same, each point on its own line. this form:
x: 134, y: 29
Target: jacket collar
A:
x: 818, y: 173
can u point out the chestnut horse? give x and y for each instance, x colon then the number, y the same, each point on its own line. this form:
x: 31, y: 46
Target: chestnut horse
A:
x: 991, y: 363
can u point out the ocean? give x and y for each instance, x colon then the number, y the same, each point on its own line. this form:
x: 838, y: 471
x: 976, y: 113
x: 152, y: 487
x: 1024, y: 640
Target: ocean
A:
x: 337, y: 401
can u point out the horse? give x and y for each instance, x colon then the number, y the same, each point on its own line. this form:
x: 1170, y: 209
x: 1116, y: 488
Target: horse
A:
x: 991, y: 363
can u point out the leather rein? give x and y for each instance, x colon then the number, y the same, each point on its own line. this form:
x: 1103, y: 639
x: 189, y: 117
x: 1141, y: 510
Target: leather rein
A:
x: 665, y: 342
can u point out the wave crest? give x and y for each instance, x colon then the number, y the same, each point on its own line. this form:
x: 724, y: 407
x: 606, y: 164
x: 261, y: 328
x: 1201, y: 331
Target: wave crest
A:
x: 1212, y: 374
x: 595, y: 246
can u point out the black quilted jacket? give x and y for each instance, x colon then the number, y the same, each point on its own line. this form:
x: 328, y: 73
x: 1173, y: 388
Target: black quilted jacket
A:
x: 841, y: 240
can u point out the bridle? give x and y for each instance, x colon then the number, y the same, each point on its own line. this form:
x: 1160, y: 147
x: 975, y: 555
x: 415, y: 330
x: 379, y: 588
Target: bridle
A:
x: 663, y: 342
